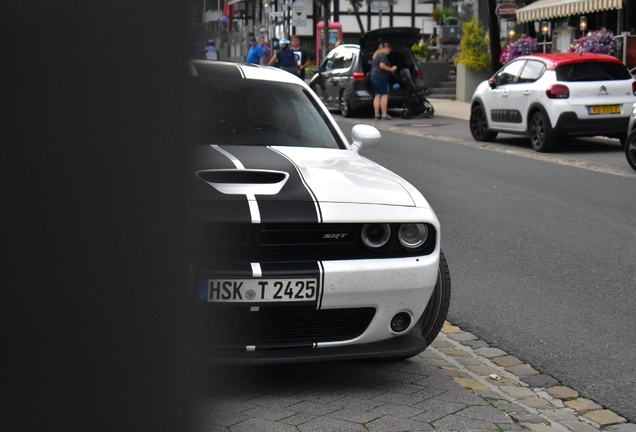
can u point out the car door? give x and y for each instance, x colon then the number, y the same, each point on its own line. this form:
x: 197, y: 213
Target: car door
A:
x: 326, y: 70
x: 522, y: 93
x: 498, y: 106
x: 341, y: 65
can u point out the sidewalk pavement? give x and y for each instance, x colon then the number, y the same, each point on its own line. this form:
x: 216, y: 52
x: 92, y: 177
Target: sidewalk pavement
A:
x: 458, y: 384
x: 451, y: 108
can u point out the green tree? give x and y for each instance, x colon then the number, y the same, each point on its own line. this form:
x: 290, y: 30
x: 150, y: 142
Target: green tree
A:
x: 473, y: 50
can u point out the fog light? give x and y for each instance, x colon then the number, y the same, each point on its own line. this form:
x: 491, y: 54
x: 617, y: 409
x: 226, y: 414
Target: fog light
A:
x: 400, y: 322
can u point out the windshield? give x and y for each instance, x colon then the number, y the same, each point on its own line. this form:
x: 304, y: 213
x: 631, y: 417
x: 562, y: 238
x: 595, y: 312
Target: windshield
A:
x: 236, y: 111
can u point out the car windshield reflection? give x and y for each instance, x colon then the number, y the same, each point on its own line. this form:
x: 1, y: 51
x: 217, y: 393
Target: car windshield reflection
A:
x: 247, y: 112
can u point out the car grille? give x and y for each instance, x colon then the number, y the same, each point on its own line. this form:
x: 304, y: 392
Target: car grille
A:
x: 281, y: 327
x: 295, y: 242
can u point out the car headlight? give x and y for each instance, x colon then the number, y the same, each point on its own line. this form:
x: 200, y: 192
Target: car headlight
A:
x: 376, y: 236
x: 412, y: 235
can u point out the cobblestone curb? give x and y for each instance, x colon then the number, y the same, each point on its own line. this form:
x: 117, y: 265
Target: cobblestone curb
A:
x: 535, y: 401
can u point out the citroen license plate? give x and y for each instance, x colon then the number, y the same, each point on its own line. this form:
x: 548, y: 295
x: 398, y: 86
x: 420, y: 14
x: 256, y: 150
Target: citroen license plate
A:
x: 604, y: 109
x: 259, y: 290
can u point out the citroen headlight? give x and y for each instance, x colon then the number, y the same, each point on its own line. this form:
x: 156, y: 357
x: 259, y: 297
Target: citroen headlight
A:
x: 412, y: 235
x: 376, y: 236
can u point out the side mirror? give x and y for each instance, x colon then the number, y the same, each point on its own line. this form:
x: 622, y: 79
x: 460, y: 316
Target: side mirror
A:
x: 364, y: 136
x: 492, y: 82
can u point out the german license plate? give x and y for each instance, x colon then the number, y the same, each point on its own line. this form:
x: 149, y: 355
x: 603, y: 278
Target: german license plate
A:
x: 604, y: 109
x: 259, y: 290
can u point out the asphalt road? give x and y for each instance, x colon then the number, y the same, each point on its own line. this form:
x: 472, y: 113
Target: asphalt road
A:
x: 542, y: 255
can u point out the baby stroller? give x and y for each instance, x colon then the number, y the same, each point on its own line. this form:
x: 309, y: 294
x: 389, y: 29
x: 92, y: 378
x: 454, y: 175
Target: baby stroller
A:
x: 415, y: 102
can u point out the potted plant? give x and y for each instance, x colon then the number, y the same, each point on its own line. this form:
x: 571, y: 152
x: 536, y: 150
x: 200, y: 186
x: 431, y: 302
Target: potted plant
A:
x: 517, y: 48
x: 473, y: 62
x: 599, y: 42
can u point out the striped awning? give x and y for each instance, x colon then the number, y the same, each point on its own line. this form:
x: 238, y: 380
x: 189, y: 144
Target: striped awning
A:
x: 547, y: 9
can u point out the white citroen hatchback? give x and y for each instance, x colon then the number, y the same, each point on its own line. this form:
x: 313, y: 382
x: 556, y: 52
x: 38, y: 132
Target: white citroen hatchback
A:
x: 550, y: 96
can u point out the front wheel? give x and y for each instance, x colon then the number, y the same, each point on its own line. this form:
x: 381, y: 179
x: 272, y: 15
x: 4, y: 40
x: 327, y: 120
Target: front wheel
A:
x: 540, y: 133
x: 630, y: 149
x: 345, y: 108
x: 437, y: 308
x: 479, y: 125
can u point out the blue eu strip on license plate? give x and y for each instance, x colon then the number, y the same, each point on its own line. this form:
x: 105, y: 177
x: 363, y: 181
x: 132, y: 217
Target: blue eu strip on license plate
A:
x: 258, y: 290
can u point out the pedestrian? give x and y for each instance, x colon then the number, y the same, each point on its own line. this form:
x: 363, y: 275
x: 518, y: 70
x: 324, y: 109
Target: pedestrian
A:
x: 210, y: 52
x: 302, y: 58
x: 255, y: 54
x: 381, y: 70
x: 265, y: 48
x: 285, y: 58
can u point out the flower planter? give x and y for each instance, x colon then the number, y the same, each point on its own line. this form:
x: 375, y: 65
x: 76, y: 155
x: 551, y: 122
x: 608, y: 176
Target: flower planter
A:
x: 467, y: 82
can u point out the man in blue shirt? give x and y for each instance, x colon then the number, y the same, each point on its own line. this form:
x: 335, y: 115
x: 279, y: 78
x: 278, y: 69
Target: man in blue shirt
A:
x: 255, y: 54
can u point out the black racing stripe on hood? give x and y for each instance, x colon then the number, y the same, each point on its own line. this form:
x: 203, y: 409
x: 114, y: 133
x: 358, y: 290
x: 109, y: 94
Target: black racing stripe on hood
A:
x: 213, y: 69
x: 208, y: 204
x: 234, y: 209
x: 295, y: 202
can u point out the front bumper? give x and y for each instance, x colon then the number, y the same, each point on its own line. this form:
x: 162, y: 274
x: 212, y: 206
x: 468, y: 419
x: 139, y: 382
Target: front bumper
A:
x: 403, y: 346
x: 385, y: 287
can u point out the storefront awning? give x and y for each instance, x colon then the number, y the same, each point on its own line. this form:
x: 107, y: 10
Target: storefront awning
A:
x: 547, y: 9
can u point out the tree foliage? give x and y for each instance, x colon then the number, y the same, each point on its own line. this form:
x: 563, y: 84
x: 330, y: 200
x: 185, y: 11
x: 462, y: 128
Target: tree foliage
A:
x: 473, y: 49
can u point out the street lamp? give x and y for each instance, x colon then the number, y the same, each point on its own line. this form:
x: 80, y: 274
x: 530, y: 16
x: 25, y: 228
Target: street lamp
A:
x: 545, y: 29
x: 583, y: 23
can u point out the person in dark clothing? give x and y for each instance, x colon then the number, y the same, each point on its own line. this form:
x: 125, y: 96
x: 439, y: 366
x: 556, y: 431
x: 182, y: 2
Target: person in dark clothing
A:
x: 285, y: 58
x: 381, y: 70
x: 302, y: 58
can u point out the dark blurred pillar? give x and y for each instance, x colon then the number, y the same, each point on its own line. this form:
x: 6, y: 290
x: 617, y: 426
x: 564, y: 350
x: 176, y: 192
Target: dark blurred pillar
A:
x: 94, y: 252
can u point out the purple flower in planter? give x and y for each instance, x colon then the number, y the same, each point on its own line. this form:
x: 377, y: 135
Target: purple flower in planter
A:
x: 514, y: 49
x: 598, y: 42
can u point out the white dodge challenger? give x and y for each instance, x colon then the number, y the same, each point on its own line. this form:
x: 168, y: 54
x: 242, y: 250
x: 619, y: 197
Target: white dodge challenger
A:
x: 305, y: 250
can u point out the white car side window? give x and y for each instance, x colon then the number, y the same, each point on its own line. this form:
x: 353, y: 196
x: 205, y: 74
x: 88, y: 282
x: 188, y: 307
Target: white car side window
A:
x: 510, y: 72
x: 531, y: 72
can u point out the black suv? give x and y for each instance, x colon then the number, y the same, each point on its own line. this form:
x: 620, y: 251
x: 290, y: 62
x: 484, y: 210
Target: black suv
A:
x: 345, y: 66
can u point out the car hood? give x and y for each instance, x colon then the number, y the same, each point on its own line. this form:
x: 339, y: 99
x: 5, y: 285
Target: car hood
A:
x: 396, y: 37
x: 290, y: 183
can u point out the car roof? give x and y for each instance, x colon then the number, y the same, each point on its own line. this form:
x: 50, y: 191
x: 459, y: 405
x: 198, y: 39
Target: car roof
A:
x: 212, y: 69
x: 554, y: 60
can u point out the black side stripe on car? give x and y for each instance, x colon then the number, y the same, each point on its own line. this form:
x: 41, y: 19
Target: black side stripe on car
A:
x: 295, y: 203
x: 322, y: 284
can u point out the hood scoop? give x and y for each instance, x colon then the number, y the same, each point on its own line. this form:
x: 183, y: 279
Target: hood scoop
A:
x: 245, y: 182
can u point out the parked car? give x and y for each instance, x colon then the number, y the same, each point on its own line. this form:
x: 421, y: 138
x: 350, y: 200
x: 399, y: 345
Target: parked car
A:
x: 552, y: 96
x: 306, y: 250
x: 345, y: 66
x: 630, y: 144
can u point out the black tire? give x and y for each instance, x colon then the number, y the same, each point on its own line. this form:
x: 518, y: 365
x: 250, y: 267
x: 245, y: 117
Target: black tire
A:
x: 345, y: 108
x: 622, y: 139
x: 437, y: 308
x: 541, y: 133
x: 479, y: 125
x: 630, y: 149
x: 406, y: 114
